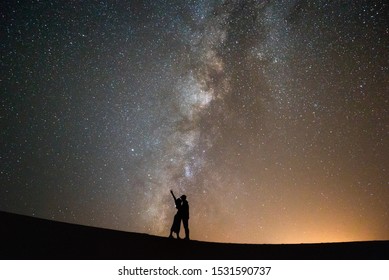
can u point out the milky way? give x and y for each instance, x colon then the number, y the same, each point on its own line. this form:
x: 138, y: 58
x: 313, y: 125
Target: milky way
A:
x: 271, y: 116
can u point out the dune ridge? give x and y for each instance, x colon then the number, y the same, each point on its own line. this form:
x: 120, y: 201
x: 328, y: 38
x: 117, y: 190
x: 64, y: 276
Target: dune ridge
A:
x: 25, y: 237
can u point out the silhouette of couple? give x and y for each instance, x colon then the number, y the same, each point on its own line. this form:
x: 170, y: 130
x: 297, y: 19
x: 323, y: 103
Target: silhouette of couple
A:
x: 182, y: 214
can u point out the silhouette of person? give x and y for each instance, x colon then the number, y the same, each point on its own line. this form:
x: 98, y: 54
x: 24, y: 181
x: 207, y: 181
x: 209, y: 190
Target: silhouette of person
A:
x: 185, y: 215
x: 177, y: 217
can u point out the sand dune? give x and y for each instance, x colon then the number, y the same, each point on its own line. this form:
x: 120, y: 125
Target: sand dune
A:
x: 33, y: 238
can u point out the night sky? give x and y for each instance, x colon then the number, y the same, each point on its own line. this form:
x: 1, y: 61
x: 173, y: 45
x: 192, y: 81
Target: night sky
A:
x: 271, y: 116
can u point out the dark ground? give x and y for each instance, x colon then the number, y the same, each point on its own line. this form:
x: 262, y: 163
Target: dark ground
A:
x: 25, y: 237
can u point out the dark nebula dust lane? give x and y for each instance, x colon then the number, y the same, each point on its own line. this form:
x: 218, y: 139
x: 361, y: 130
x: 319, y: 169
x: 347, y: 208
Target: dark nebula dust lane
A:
x: 271, y: 116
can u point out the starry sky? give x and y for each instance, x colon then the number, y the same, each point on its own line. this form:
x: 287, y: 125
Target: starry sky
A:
x: 271, y: 116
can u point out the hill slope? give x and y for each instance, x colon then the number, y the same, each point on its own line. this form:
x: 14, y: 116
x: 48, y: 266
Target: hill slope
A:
x: 32, y: 238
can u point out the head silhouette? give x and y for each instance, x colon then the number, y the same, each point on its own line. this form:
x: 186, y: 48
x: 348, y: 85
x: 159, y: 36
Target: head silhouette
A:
x: 183, y: 197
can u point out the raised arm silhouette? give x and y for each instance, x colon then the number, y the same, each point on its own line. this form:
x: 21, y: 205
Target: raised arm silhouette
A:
x: 177, y: 217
